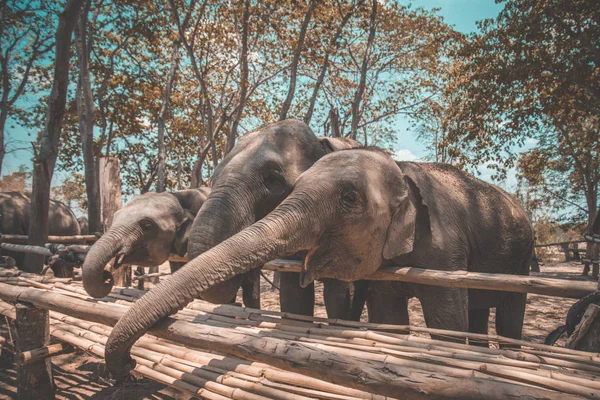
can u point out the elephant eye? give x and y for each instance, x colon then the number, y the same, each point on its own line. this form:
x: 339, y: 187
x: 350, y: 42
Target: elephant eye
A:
x: 350, y: 197
x: 275, y: 183
x: 147, y: 225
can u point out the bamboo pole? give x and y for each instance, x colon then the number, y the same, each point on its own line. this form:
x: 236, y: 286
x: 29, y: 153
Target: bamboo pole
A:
x: 235, y: 316
x: 353, y: 372
x: 148, y: 276
x: 10, y: 272
x: 559, y: 243
x: 556, y: 376
x: 51, y: 239
x: 463, y: 279
x: 459, y: 279
x: 21, y: 248
x: 223, y: 365
x: 41, y: 353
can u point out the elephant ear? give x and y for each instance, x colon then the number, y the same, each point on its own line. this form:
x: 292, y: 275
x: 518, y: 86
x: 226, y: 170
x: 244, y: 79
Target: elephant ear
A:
x: 182, y: 235
x: 335, y: 144
x: 410, y: 222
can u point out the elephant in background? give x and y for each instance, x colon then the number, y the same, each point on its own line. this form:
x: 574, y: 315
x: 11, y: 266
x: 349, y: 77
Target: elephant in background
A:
x: 14, y: 219
x: 83, y: 225
x: 145, y: 232
x: 249, y: 183
x: 355, y: 211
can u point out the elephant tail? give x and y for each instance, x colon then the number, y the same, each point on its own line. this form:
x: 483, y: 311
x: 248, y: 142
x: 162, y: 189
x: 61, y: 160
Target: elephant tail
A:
x: 361, y: 289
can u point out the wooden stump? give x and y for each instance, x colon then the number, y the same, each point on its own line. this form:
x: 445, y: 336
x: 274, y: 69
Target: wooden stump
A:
x: 122, y: 276
x: 586, y: 336
x: 34, y: 380
x: 110, y: 189
x: 566, y: 251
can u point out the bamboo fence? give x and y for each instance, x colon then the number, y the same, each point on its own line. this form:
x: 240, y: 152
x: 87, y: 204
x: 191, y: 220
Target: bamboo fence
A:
x: 222, y: 351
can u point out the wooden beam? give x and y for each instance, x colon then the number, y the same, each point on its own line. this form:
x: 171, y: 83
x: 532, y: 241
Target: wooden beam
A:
x: 51, y: 239
x: 559, y: 243
x: 459, y: 279
x: 41, y: 353
x: 463, y: 279
x: 34, y: 380
x: 22, y: 248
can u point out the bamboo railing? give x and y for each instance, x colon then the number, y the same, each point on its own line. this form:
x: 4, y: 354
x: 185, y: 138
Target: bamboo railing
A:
x: 274, y: 355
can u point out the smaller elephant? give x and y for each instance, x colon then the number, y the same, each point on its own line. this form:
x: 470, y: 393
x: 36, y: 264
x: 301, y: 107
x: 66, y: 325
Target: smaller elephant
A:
x: 145, y: 232
x: 83, y: 225
x: 14, y: 219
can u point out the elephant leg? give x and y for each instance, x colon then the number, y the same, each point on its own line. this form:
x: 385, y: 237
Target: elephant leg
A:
x: 510, y: 314
x: 251, y: 289
x: 338, y: 298
x: 293, y: 298
x: 478, y: 323
x: 175, y: 266
x: 386, y: 305
x: 445, y: 308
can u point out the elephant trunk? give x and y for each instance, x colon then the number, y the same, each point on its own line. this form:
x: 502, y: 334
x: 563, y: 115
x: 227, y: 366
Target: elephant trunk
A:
x: 284, y: 231
x: 117, y: 241
x: 225, y: 213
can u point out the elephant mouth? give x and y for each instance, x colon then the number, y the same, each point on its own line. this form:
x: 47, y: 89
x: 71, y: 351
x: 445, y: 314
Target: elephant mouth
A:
x: 128, y: 256
x: 315, y: 263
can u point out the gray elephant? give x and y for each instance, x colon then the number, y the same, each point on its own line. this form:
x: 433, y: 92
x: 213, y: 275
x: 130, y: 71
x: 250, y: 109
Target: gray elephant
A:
x: 83, y: 225
x: 248, y: 184
x: 14, y: 219
x: 355, y: 211
x: 145, y: 232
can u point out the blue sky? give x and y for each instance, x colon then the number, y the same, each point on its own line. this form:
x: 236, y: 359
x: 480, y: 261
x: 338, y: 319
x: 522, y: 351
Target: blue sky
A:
x: 462, y: 14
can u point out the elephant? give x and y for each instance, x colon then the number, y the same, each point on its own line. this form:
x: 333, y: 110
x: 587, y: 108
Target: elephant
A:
x: 249, y: 183
x: 14, y: 219
x: 145, y: 232
x: 83, y: 225
x: 355, y: 211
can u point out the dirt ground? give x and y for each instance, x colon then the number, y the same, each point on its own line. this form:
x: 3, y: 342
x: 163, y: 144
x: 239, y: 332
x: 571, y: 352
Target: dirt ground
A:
x: 80, y: 376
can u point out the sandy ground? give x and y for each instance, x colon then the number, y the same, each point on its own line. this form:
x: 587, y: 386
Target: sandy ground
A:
x: 80, y: 376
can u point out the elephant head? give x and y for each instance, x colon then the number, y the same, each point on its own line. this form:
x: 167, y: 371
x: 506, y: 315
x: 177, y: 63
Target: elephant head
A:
x: 251, y: 181
x: 144, y: 232
x: 83, y: 225
x: 350, y: 211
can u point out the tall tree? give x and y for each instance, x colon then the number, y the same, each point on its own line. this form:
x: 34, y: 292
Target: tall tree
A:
x: 360, y: 90
x: 531, y: 76
x: 296, y: 60
x: 26, y: 37
x: 84, y: 37
x: 45, y: 159
x: 164, y: 110
x: 345, y: 16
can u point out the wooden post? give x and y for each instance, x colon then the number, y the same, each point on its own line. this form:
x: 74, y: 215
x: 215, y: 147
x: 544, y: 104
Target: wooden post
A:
x: 109, y: 175
x: 34, y: 380
x: 566, y: 251
x: 586, y: 336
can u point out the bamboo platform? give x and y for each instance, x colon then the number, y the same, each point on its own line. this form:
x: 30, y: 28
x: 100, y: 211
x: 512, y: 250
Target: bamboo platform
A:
x: 221, y: 351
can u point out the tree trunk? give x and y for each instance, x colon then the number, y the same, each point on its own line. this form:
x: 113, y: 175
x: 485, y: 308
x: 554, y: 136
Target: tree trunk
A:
x: 164, y: 111
x: 85, y: 110
x: 4, y: 103
x: 2, y: 145
x: 325, y: 66
x: 358, y: 95
x: 294, y: 67
x: 243, y: 79
x: 45, y: 159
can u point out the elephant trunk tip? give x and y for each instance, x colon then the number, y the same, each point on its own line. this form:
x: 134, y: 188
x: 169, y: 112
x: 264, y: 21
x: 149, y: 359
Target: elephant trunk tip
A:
x: 102, y: 290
